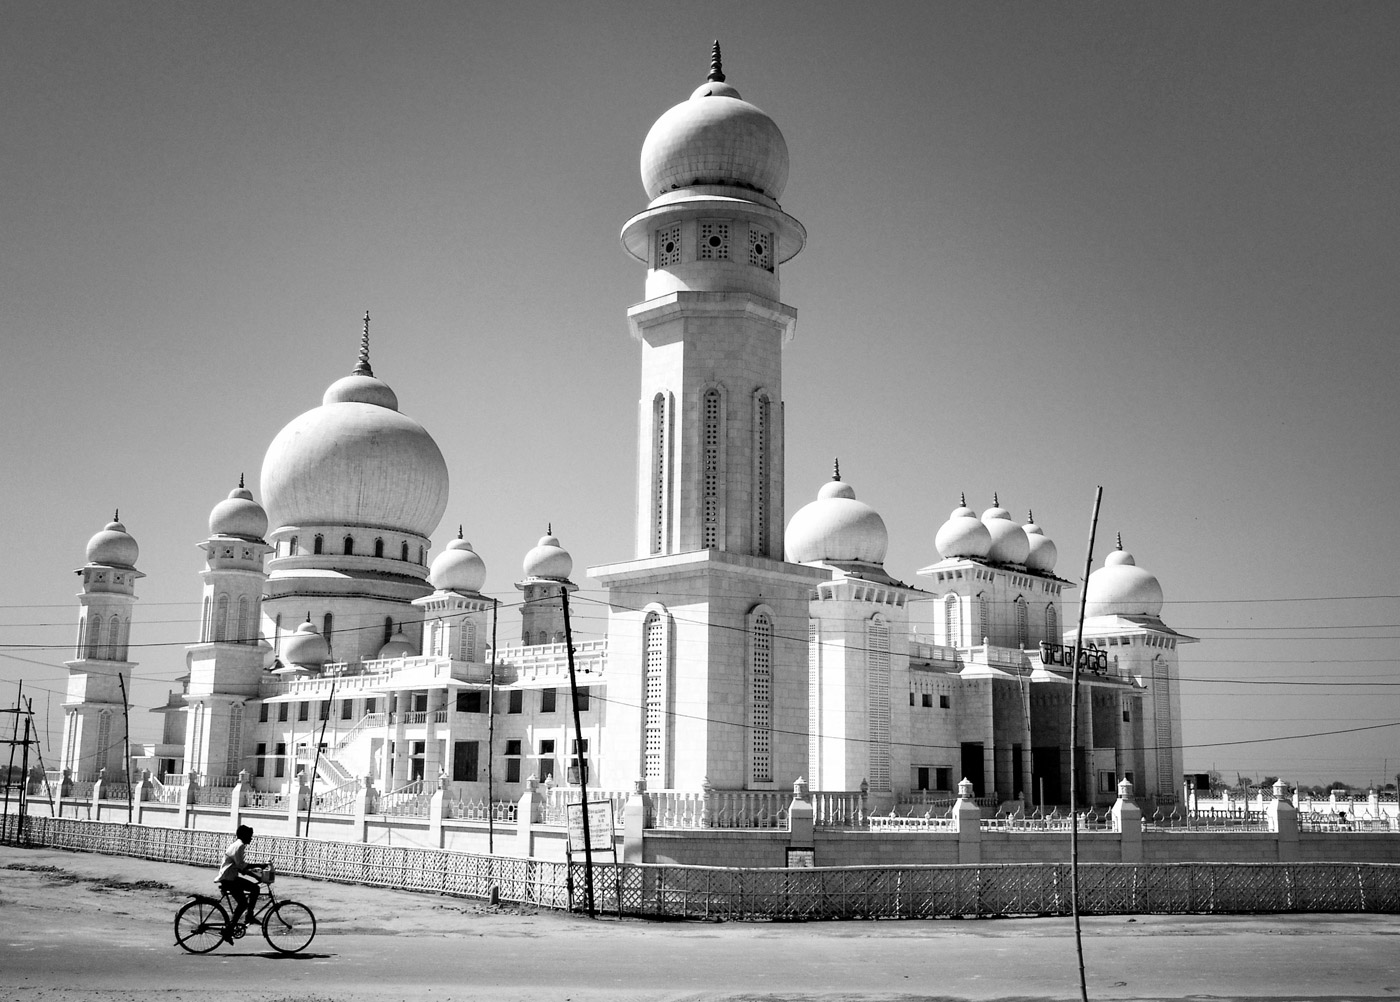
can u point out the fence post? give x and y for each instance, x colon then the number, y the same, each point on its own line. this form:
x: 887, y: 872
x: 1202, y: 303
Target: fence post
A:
x: 141, y: 793
x: 1283, y: 822
x: 298, y: 800
x: 236, y: 798
x: 801, y: 817
x: 707, y: 809
x: 95, y: 809
x: 634, y: 823
x: 525, y: 818
x: 436, y: 806
x: 1127, y: 822
x: 364, y: 806
x: 968, y: 818
x: 189, y: 794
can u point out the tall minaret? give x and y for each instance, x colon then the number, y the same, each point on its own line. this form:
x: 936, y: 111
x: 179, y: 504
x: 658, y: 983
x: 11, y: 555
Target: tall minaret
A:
x: 93, y: 729
x: 707, y: 628
x: 227, y: 663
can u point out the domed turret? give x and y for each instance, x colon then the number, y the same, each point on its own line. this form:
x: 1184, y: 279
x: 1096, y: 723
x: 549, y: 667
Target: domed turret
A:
x: 113, y: 546
x: 458, y: 568
x: 963, y: 535
x: 1043, y: 552
x: 1121, y: 588
x: 398, y: 646
x: 355, y: 460
x: 715, y: 138
x: 306, y: 648
x: 548, y: 559
x: 238, y: 515
x: 836, y: 528
x: 1009, y: 543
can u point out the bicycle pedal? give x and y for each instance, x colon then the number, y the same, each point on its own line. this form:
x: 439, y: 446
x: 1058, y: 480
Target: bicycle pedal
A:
x: 239, y: 930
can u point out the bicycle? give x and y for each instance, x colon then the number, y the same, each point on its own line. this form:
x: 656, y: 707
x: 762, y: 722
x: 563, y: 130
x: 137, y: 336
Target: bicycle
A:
x: 288, y: 926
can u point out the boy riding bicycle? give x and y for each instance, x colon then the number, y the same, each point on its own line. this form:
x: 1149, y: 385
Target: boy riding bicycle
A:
x: 238, y: 878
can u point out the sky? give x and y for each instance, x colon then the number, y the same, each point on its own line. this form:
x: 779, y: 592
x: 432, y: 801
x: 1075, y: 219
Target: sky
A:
x: 1052, y: 246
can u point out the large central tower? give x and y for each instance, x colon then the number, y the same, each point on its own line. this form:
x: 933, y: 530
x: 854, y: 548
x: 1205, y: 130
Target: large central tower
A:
x: 708, y: 624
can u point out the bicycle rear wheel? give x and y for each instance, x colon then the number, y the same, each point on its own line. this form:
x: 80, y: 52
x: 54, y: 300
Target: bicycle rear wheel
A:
x: 289, y: 927
x: 199, y: 925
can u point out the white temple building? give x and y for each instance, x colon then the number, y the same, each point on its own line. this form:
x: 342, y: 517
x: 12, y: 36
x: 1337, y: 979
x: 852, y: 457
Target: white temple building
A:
x: 744, y: 650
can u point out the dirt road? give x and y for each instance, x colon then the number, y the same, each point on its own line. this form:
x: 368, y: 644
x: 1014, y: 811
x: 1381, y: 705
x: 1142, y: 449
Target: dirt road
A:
x: 78, y: 927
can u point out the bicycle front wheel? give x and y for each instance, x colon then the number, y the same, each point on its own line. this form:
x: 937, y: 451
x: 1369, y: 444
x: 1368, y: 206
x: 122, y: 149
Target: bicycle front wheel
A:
x: 199, y: 925
x: 289, y: 927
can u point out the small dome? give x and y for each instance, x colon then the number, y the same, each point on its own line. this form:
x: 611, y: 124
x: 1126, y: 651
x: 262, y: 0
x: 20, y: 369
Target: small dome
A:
x: 715, y: 138
x: 458, y: 568
x: 398, y: 646
x: 1043, y: 552
x: 1121, y: 588
x: 238, y: 515
x: 549, y: 560
x: 1009, y: 543
x: 360, y: 389
x: 963, y: 535
x: 113, y: 546
x: 306, y: 648
x: 269, y: 653
x: 836, y: 528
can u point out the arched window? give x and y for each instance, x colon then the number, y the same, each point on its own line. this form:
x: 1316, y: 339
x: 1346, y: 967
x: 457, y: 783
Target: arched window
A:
x: 984, y: 619
x: 543, y: 638
x: 114, y: 638
x: 660, y: 472
x: 78, y: 650
x: 1023, y: 623
x: 762, y: 474
x: 712, y: 414
x: 349, y: 546
x: 379, y: 547
x: 277, y: 635
x: 403, y: 553
x: 437, y: 639
x: 388, y: 628
x: 326, y: 624
x: 877, y: 702
x: 94, y: 641
x: 655, y: 697
x: 420, y: 554
x: 320, y: 542
x: 245, y: 626
x: 952, y: 622
x: 292, y: 548
x: 221, y: 619
x: 1052, y: 625
x: 466, y: 641
x: 206, y: 624
x: 761, y: 697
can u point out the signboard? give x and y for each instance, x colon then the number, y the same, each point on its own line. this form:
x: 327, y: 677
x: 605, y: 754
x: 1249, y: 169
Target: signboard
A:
x: 1091, y: 658
x: 801, y: 859
x: 600, y: 826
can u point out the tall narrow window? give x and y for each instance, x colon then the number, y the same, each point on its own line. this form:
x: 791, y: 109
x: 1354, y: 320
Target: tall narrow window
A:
x: 466, y: 641
x: 78, y: 649
x: 1162, y: 723
x: 952, y: 622
x: 878, y: 702
x: 114, y: 639
x: 379, y: 547
x: 221, y: 618
x: 761, y: 696
x: 349, y: 546
x: 277, y: 634
x: 654, y: 700
x: 1052, y: 625
x: 1023, y: 625
x: 94, y: 638
x: 984, y: 620
x: 710, y: 436
x: 762, y: 473
x: 761, y: 249
x: 326, y: 624
x: 245, y: 626
x: 292, y: 548
x: 403, y: 553
x: 234, y: 752
x: 814, y: 705
x: 388, y: 628
x: 318, y: 544
x: 660, y: 472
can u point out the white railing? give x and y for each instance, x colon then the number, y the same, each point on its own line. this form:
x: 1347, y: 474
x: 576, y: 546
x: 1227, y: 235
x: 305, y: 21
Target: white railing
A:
x: 546, y: 662
x: 553, y: 808
x: 265, y: 800
x: 477, y: 810
x: 1210, y: 820
x: 339, y: 799
x: 838, y: 809
x: 928, y: 823
x: 365, y: 722
x: 409, y: 801
x: 673, y: 809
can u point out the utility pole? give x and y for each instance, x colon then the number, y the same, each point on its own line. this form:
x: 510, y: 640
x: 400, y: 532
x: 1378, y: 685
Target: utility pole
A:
x: 126, y: 744
x: 1074, y: 751
x: 14, y: 736
x: 491, y: 736
x: 578, y: 758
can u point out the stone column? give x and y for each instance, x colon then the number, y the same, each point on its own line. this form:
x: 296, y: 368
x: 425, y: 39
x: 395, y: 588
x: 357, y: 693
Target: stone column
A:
x: 1283, y: 821
x: 1127, y: 822
x: 140, y: 793
x: 634, y: 823
x: 365, y: 805
x: 801, y: 817
x: 525, y: 818
x: 968, y: 818
x: 237, y: 798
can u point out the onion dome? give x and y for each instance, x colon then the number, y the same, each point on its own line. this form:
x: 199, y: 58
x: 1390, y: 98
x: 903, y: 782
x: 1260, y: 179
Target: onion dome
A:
x: 113, y: 546
x: 715, y: 138
x: 1043, y: 552
x: 548, y: 559
x: 306, y: 648
x: 458, y: 568
x: 1121, y: 588
x: 963, y: 535
x: 355, y: 460
x: 1009, y: 543
x: 398, y: 646
x: 238, y: 515
x: 269, y: 653
x: 836, y: 528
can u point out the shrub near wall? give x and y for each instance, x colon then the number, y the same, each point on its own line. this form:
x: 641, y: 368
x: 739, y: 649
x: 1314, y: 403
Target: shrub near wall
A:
x: 656, y: 890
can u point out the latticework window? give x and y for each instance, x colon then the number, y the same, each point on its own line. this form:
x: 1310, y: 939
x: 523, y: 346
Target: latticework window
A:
x: 1162, y: 723
x: 952, y: 622
x: 878, y: 703
x: 761, y: 249
x: 1023, y: 624
x: 234, y: 750
x: 814, y: 704
x: 984, y: 619
x: 221, y: 618
x: 714, y: 241
x: 1052, y: 625
x: 761, y: 697
x: 654, y: 700
x: 659, y: 480
x: 710, y: 437
x: 668, y: 246
x: 763, y: 473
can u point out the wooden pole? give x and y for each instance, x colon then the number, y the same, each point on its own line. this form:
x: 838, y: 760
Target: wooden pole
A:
x: 491, y: 737
x: 14, y: 737
x: 1074, y: 751
x: 578, y: 757
x: 126, y: 743
x: 316, y: 761
x: 39, y: 754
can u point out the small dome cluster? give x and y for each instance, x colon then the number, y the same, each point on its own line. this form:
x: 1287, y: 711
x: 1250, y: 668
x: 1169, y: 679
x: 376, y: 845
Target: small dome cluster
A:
x: 238, y: 515
x: 715, y: 138
x: 995, y: 537
x: 398, y: 646
x: 113, y: 546
x: 549, y: 560
x: 458, y: 568
x: 836, y: 528
x: 1121, y: 588
x: 306, y: 647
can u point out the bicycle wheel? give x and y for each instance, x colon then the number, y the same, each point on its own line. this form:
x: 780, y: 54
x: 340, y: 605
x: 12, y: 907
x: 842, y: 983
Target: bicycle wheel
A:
x: 199, y: 925
x: 289, y: 927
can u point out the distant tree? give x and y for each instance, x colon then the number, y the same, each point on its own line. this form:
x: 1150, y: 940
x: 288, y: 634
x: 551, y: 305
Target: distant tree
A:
x: 1268, y: 782
x: 1339, y: 786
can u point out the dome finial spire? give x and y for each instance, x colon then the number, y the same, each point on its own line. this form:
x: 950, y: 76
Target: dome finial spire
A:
x: 1120, y: 540
x: 116, y: 514
x: 716, y: 67
x: 549, y: 528
x: 836, y: 469
x: 362, y: 367
x: 459, y: 531
x: 1030, y: 515
x: 962, y: 499
x: 996, y: 501
x: 240, y: 481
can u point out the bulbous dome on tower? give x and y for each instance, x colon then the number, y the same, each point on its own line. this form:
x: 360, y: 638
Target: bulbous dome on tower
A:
x: 305, y: 647
x: 458, y: 568
x: 238, y: 515
x: 1009, y: 543
x: 355, y: 460
x: 1121, y: 588
x: 398, y: 646
x: 1043, y: 552
x: 715, y: 138
x: 963, y: 535
x: 548, y: 559
x: 113, y: 546
x: 836, y: 528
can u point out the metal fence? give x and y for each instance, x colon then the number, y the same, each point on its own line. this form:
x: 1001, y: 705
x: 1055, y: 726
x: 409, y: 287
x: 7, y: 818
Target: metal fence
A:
x: 665, y: 891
